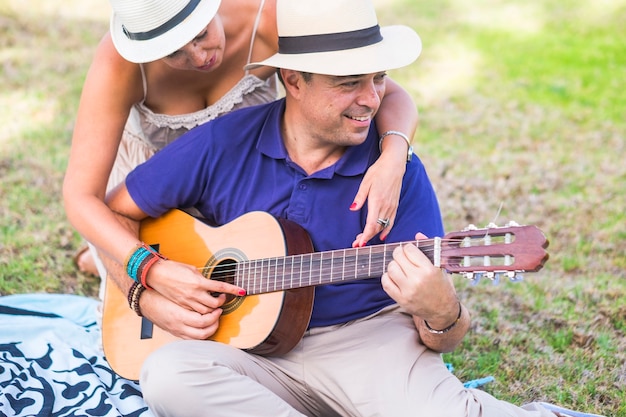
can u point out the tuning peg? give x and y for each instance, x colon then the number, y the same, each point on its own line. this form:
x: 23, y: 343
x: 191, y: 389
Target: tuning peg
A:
x: 477, y: 277
x: 470, y: 227
x: 512, y: 223
x: 492, y: 225
x: 515, y: 276
x: 473, y: 277
x: 496, y: 278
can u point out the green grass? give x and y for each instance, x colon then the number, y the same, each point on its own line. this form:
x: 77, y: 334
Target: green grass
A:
x: 522, y: 107
x: 44, y: 56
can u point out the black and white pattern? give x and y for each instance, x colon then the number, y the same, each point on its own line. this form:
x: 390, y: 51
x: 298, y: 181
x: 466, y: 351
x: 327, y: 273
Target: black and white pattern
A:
x: 51, y: 363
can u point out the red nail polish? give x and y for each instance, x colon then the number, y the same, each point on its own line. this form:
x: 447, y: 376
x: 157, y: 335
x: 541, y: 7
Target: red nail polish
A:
x: 353, y: 205
x: 242, y: 292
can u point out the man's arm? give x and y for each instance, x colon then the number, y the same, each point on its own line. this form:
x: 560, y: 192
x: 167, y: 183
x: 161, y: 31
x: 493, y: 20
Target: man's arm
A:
x: 444, y: 339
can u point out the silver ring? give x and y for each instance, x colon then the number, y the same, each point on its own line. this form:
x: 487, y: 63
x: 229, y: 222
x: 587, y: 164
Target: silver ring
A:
x: 383, y: 222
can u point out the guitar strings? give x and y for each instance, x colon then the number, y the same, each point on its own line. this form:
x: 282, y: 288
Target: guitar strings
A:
x: 269, y: 275
x: 294, y: 271
x: 426, y: 246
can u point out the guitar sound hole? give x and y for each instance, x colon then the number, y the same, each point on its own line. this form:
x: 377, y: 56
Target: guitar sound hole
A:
x: 225, y: 271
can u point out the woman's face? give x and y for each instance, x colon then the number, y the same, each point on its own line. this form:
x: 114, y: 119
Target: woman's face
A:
x: 204, y: 52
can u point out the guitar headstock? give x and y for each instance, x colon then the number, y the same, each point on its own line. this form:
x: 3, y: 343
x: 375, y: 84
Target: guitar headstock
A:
x: 494, y: 251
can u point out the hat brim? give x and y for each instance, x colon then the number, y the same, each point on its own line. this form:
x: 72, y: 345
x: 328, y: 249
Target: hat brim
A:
x: 167, y: 43
x: 400, y: 47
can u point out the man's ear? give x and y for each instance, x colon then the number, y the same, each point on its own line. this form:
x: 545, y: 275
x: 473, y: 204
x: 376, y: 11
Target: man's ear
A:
x: 292, y: 81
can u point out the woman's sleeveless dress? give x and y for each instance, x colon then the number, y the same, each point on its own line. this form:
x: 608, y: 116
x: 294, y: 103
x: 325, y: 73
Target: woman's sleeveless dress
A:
x: 147, y: 132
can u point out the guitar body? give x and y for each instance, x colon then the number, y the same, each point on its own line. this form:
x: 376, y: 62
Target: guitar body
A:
x: 267, y: 324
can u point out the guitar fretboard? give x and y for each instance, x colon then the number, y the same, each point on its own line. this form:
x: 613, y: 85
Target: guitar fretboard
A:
x: 318, y: 268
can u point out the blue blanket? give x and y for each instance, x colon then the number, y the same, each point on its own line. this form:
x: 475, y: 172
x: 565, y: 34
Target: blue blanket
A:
x: 51, y: 363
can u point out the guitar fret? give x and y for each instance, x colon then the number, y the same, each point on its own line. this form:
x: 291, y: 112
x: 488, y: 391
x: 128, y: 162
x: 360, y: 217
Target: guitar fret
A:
x: 252, y: 276
x: 301, y: 268
x: 321, y: 268
x: 246, y: 276
x: 259, y: 273
x: 258, y: 283
x: 293, y: 267
x: 275, y: 273
x: 310, y: 267
x: 343, y: 266
x: 244, y: 283
x: 258, y: 276
x: 284, y: 263
x: 262, y: 275
x: 256, y: 270
x: 266, y: 270
x: 356, y: 263
x: 251, y: 271
x: 271, y: 265
x: 384, y: 258
x: 240, y: 276
x: 298, y: 280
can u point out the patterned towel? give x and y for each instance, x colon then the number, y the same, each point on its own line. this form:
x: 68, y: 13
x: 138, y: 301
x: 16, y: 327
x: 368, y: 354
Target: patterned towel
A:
x: 52, y: 365
x: 51, y: 362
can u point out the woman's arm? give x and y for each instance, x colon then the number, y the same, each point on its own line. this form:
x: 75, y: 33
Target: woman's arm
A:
x: 111, y: 87
x: 179, y: 299
x: 383, y: 181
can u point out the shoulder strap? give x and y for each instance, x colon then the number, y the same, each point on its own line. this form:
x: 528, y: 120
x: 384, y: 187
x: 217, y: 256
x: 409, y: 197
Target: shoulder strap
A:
x: 144, y: 81
x: 254, y: 29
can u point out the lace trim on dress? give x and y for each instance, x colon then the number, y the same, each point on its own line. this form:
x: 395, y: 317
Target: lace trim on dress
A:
x: 225, y: 104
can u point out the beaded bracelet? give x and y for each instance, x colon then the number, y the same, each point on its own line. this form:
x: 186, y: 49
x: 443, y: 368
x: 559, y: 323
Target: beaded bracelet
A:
x: 450, y: 327
x: 139, y: 262
x: 409, y: 154
x: 144, y: 269
x: 133, y: 297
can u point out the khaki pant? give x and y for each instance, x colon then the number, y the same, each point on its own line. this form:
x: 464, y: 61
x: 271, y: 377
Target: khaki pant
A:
x: 371, y: 367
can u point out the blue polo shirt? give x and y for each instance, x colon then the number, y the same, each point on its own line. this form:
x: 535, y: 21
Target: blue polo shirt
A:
x: 238, y: 163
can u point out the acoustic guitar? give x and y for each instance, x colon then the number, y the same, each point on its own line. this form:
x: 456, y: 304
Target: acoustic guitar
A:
x: 273, y: 260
